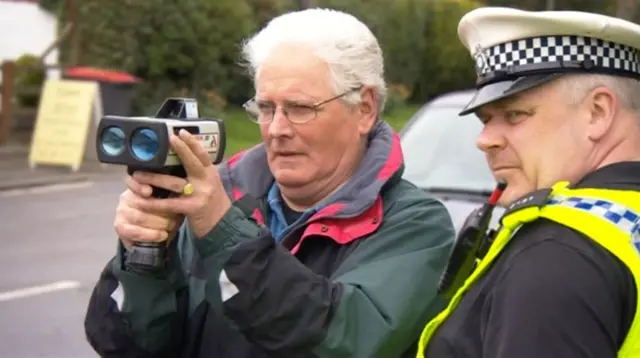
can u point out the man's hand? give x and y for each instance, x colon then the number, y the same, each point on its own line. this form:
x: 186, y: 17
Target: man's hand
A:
x: 207, y: 204
x: 135, y: 221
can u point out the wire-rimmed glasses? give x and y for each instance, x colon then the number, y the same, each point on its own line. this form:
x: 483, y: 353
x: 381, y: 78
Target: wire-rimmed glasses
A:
x: 298, y: 113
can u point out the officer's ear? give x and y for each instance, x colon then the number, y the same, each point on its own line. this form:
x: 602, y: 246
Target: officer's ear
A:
x: 603, y: 107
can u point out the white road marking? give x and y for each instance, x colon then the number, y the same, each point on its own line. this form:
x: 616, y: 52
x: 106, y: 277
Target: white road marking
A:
x: 38, y: 290
x: 46, y: 189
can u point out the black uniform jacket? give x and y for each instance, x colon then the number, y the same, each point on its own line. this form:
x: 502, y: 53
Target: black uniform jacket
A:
x: 552, y: 293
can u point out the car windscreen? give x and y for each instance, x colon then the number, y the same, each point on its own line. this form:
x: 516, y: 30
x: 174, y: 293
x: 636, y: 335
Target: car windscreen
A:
x: 440, y: 151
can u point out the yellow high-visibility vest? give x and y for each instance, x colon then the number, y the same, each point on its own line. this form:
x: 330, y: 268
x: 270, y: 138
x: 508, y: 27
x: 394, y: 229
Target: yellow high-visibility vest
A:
x: 611, y: 218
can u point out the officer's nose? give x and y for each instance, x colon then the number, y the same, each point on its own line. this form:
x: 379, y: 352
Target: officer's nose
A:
x: 491, y: 138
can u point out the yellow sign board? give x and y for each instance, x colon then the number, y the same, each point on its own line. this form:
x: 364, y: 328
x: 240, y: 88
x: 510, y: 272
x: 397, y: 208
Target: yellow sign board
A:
x: 64, y: 118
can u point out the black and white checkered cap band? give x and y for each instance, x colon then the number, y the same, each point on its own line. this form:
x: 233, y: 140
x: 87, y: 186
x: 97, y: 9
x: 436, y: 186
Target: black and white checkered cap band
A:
x: 546, y: 51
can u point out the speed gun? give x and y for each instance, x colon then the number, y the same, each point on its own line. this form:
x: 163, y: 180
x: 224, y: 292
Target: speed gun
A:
x: 142, y: 144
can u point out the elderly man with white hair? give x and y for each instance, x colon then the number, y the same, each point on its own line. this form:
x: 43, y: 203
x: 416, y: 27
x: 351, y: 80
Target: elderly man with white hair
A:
x: 558, y: 93
x: 309, y: 244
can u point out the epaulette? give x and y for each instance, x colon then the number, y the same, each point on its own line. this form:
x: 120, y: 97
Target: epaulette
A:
x: 538, y: 198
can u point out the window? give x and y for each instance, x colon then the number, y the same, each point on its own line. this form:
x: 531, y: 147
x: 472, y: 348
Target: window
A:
x: 440, y: 151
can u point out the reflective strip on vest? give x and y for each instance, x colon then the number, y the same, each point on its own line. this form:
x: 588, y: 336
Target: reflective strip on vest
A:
x: 609, y: 217
x: 621, y: 216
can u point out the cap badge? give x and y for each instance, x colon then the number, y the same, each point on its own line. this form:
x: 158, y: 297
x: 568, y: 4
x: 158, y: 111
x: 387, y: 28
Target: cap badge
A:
x: 482, y: 61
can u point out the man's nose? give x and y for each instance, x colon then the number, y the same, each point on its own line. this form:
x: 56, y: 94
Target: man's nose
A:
x: 280, y: 125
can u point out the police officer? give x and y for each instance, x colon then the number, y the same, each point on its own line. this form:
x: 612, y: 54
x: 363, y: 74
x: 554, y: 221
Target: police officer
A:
x: 559, y: 95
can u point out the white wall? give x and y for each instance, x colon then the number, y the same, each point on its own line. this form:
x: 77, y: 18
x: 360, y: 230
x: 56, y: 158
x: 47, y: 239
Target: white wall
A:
x: 26, y: 28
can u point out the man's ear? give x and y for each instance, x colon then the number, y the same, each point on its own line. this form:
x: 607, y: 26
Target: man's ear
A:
x: 368, y: 110
x: 602, y: 107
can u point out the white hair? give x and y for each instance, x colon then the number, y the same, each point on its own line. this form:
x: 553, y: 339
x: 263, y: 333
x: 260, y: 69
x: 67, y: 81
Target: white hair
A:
x: 344, y: 42
x: 627, y: 90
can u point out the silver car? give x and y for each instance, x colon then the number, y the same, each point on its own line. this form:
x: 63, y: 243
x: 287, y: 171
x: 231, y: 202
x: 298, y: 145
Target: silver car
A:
x: 441, y: 156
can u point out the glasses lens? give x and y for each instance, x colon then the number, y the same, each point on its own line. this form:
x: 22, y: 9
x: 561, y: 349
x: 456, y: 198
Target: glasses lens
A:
x: 301, y: 114
x: 252, y: 110
x: 253, y: 117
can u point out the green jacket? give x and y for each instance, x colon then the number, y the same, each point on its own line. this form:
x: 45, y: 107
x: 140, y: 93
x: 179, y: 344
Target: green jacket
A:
x: 356, y: 277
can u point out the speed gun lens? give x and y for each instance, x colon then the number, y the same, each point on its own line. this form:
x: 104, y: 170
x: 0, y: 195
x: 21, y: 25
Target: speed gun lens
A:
x: 144, y: 144
x: 112, y: 141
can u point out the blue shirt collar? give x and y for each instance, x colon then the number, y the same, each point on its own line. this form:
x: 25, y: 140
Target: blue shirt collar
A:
x: 277, y: 221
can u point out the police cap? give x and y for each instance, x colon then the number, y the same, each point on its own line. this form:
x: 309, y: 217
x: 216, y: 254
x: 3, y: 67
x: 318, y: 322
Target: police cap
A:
x: 516, y: 50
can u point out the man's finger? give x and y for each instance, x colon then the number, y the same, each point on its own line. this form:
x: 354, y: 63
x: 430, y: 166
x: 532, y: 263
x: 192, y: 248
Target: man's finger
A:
x: 190, y: 162
x: 164, y: 181
x: 140, y: 234
x: 196, y: 148
x: 149, y: 221
x: 137, y: 187
x: 178, y: 205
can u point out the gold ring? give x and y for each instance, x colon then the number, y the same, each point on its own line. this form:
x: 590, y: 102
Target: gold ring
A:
x: 188, y: 189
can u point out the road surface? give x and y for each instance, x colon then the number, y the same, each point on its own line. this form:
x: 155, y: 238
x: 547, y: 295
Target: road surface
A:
x: 55, y: 241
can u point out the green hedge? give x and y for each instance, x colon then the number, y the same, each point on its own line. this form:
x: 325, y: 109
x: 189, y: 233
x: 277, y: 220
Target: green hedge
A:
x: 191, y: 47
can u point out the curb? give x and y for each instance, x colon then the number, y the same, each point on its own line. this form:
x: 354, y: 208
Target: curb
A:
x: 32, y: 182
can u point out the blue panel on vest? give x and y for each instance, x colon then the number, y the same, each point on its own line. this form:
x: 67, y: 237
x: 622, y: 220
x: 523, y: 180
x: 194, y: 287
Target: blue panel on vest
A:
x: 586, y: 206
x: 629, y: 215
x: 615, y: 217
x: 603, y: 204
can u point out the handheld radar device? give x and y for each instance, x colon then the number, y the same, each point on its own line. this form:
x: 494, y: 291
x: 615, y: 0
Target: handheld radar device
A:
x: 142, y: 144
